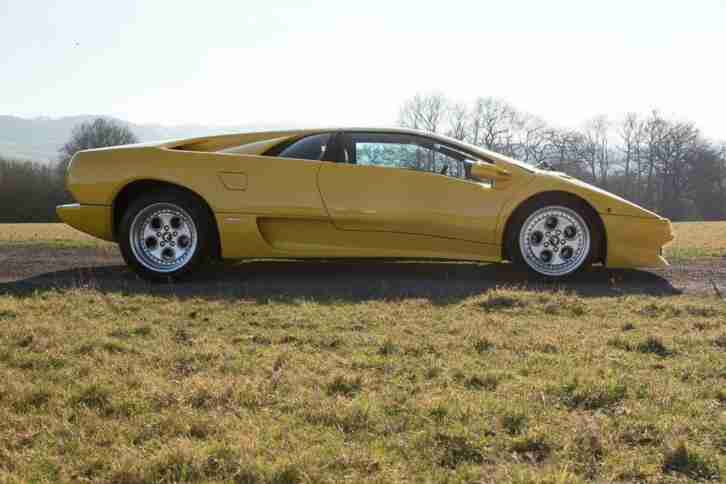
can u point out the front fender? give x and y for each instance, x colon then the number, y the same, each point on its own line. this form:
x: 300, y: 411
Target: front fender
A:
x: 634, y: 235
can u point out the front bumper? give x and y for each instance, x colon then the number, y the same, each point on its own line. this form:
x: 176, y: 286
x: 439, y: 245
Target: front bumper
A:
x: 635, y: 241
x: 96, y: 220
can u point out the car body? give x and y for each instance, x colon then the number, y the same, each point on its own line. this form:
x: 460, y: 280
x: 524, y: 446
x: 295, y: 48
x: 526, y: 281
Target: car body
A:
x: 345, y: 193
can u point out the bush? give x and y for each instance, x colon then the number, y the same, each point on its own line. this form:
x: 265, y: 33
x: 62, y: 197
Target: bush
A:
x: 456, y: 450
x: 690, y: 463
x: 654, y: 345
x: 347, y: 387
x: 591, y: 395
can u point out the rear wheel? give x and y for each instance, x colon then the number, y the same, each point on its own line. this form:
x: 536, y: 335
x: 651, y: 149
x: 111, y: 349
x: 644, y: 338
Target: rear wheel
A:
x: 166, y: 235
x: 554, y: 238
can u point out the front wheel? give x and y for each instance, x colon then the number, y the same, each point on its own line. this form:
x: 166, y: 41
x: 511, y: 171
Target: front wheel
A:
x: 164, y: 236
x: 554, y: 240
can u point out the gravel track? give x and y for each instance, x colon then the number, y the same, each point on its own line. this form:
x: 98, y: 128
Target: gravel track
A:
x: 33, y: 267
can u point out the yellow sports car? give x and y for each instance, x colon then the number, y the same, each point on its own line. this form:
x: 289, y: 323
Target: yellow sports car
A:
x: 370, y: 193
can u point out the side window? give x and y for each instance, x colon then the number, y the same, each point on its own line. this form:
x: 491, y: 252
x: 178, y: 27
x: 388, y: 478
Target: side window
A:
x: 405, y: 152
x: 391, y: 155
x: 307, y: 148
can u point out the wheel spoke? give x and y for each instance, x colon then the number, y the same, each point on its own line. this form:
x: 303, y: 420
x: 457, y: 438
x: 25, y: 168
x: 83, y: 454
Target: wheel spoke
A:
x: 149, y: 232
x: 156, y: 252
x: 183, y: 230
x: 537, y: 250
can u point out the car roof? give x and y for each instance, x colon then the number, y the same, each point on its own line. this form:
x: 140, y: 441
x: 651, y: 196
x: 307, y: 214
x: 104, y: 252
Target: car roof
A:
x: 224, y: 142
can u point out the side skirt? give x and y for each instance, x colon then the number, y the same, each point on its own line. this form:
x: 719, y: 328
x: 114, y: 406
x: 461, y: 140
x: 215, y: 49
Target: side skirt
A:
x: 245, y: 236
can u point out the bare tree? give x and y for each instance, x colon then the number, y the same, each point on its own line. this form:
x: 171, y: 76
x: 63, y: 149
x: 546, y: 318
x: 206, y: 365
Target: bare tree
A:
x: 565, y: 150
x: 98, y: 133
x: 458, y: 121
x: 654, y: 130
x: 596, y: 152
x: 491, y: 123
x: 630, y: 131
x: 677, y: 147
x: 707, y: 182
x: 425, y: 112
x: 529, y: 138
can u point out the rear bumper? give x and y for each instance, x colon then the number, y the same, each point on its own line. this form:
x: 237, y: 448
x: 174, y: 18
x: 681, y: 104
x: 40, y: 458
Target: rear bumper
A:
x: 636, y: 242
x: 96, y: 220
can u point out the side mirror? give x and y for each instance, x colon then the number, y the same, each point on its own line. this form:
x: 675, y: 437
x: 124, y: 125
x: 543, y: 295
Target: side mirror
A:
x: 487, y: 171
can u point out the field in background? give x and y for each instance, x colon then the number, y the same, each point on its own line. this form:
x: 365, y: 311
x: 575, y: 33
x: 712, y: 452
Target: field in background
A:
x: 698, y: 239
x: 693, y: 239
x: 56, y: 234
x: 147, y: 384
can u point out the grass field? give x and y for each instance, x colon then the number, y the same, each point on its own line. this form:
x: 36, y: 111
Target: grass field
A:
x: 60, y: 235
x: 510, y: 385
x: 698, y: 239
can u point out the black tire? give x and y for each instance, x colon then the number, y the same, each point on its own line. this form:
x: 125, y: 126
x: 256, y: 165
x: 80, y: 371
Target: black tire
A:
x: 522, y: 214
x: 205, y: 234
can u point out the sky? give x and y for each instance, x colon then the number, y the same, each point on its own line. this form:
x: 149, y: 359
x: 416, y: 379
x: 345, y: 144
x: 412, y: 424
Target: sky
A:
x: 329, y: 63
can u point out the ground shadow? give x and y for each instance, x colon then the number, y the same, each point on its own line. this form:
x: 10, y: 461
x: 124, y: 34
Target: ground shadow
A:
x: 439, y: 282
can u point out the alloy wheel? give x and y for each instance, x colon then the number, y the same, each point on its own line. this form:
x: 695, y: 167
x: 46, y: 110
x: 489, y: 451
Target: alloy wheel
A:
x: 163, y: 237
x: 555, y: 241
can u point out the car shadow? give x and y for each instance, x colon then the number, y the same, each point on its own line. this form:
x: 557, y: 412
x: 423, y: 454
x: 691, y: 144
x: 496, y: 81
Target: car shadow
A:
x: 439, y: 282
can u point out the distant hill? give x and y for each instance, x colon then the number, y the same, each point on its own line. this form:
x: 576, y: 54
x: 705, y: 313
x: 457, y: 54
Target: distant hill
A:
x: 39, y: 139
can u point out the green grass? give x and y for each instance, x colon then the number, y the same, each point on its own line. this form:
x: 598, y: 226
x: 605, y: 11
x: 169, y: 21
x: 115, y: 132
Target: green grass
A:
x: 498, y: 387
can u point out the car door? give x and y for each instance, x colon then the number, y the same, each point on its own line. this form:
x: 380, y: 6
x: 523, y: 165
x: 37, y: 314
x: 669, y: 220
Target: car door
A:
x: 285, y: 184
x: 407, y: 184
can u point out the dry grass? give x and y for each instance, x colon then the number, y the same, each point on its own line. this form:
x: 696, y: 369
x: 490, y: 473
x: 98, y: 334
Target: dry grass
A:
x: 47, y: 234
x: 698, y: 239
x: 506, y: 386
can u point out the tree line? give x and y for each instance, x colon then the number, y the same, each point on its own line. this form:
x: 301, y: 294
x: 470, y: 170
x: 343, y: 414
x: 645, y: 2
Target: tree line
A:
x: 663, y: 164
x: 30, y: 191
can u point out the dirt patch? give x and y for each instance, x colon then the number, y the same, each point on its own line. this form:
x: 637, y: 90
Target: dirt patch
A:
x: 35, y: 261
x: 31, y: 267
x: 697, y: 275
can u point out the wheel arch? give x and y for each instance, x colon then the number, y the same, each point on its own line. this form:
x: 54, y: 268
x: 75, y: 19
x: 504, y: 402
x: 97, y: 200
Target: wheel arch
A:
x: 137, y: 187
x: 553, y: 196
